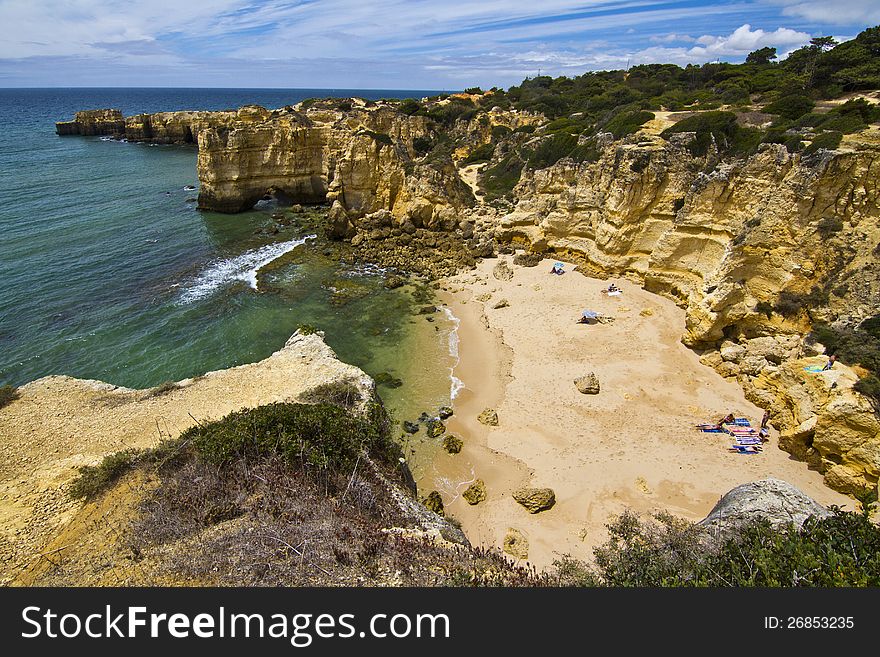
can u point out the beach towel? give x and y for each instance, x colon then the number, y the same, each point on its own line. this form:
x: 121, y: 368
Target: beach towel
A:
x: 745, y: 449
x: 748, y: 441
x: 710, y: 429
x: 814, y: 368
x: 616, y: 293
x: 742, y: 422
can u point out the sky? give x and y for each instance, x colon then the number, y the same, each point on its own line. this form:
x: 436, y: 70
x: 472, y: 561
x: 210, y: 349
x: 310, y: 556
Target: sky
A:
x: 390, y: 44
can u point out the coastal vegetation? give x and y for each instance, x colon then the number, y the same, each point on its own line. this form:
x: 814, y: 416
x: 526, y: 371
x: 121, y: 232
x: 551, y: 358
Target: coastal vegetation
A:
x: 717, y: 101
x: 842, y: 549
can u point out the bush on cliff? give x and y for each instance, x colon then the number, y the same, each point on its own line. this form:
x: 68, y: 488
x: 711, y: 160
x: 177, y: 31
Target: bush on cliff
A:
x: 323, y: 436
x: 842, y: 549
x: 719, y: 128
x: 626, y: 123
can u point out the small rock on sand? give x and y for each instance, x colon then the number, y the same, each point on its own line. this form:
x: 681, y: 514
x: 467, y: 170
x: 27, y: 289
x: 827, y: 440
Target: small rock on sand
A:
x: 488, y: 417
x: 516, y: 545
x: 434, y: 502
x: 452, y: 444
x: 503, y: 303
x: 588, y: 385
x: 647, y: 312
x: 535, y: 499
x: 502, y: 271
x: 475, y: 493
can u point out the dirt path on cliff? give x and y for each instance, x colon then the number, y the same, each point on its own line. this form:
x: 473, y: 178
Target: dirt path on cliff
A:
x: 60, y: 423
x: 632, y: 445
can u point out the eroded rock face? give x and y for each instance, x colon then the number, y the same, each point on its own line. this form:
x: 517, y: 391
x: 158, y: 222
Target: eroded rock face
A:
x: 719, y: 237
x: 773, y: 500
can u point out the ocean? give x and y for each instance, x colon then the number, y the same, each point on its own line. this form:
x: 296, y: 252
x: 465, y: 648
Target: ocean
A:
x: 109, y: 271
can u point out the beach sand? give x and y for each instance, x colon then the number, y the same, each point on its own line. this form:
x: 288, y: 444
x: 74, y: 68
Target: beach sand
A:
x: 633, y: 445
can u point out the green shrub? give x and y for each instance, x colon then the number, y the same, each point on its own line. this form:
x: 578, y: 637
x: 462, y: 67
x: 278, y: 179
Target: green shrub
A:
x: 826, y: 140
x: 8, y: 394
x: 791, y: 106
x: 306, y: 329
x: 853, y: 346
x: 480, y: 154
x: 379, y: 137
x: 500, y: 131
x: 95, y: 479
x: 409, y: 106
x: 869, y: 386
x: 827, y: 226
x: 473, y: 90
x: 343, y: 393
x: 319, y: 435
x: 422, y: 145
x: 843, y: 123
x: 499, y: 179
x: 840, y: 550
x: 627, y: 123
x: 708, y: 126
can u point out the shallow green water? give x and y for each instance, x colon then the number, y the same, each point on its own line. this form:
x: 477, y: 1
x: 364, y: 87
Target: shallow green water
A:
x: 109, y: 272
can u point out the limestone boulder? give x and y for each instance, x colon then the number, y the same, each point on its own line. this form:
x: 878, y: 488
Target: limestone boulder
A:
x: 516, y: 544
x: 502, y: 271
x: 452, y: 444
x: 475, y: 493
x: 535, y: 500
x: 488, y: 417
x: 773, y: 500
x: 587, y: 384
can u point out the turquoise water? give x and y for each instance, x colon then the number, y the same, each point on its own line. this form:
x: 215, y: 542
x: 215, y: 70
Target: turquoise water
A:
x: 109, y: 272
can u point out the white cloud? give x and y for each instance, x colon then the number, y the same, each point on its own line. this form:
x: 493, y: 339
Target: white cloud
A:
x: 743, y: 40
x: 835, y: 12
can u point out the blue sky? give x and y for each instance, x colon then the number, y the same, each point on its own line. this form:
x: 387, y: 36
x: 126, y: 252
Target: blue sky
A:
x: 390, y: 44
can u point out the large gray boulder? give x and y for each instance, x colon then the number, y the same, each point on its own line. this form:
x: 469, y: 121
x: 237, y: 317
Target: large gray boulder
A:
x: 774, y: 500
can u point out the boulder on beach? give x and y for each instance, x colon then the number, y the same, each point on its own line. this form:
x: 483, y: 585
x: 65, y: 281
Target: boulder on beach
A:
x: 410, y: 427
x: 502, y: 271
x: 435, y: 428
x: 773, y: 500
x: 516, y: 544
x: 488, y: 417
x: 452, y: 444
x: 444, y: 412
x: 475, y: 493
x: 588, y: 384
x: 528, y: 259
x: 535, y: 499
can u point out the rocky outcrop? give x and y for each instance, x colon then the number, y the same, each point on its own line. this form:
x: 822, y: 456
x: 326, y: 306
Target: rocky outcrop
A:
x: 720, y: 237
x: 362, y: 161
x: 773, y: 500
x: 93, y: 123
x: 59, y: 424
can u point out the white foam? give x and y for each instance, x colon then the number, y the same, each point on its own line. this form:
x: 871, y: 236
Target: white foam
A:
x: 244, y: 267
x: 456, y: 384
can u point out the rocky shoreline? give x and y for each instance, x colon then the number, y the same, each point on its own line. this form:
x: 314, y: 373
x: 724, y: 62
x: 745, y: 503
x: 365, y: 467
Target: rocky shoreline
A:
x: 744, y: 244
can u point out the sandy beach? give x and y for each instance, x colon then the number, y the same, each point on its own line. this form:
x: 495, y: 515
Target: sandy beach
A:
x: 632, y: 445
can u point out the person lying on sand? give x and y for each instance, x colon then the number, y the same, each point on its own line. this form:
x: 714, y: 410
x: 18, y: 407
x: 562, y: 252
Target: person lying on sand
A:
x: 558, y: 268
